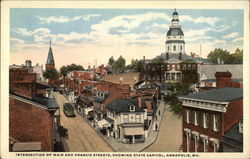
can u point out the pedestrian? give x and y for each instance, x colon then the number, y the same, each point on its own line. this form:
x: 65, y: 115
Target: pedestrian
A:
x: 156, y: 127
x: 155, y: 117
x: 159, y: 112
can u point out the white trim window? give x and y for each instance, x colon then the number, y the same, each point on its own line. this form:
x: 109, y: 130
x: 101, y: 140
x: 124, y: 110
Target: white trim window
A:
x: 205, y: 120
x: 195, y: 118
x: 188, y: 114
x: 215, y: 123
x: 137, y: 118
x: 125, y: 118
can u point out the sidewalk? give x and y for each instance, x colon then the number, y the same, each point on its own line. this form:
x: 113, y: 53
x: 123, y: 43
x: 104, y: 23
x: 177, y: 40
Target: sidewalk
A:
x: 138, y: 147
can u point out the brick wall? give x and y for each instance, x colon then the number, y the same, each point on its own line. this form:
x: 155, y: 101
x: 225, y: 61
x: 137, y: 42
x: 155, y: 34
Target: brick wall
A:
x: 223, y: 79
x: 30, y: 123
x: 129, y: 78
x: 22, y: 82
x: 48, y: 66
x: 234, y: 113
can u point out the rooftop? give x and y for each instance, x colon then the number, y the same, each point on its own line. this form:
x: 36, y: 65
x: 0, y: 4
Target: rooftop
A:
x: 233, y: 137
x: 123, y: 105
x: 218, y: 95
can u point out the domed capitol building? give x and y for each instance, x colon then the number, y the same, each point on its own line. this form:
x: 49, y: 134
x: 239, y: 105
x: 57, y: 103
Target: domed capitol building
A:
x: 169, y: 70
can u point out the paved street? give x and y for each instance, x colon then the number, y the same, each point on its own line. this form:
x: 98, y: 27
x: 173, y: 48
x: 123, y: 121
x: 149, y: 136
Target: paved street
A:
x: 170, y: 135
x: 81, y: 136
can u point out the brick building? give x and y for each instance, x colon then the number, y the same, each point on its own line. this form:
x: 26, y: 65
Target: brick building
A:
x: 127, y: 78
x: 208, y: 115
x: 31, y: 114
x: 169, y: 66
x: 105, y: 92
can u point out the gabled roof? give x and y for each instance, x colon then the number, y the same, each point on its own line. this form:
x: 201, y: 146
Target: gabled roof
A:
x: 210, y: 70
x: 123, y: 106
x: 218, y: 95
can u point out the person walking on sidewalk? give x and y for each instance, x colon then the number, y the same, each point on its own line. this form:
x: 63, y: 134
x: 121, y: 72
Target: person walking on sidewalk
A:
x: 156, y: 127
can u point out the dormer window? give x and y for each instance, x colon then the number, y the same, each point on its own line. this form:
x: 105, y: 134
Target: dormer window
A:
x: 132, y: 108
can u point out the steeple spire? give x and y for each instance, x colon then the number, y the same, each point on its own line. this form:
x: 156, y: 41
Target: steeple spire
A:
x: 50, y: 59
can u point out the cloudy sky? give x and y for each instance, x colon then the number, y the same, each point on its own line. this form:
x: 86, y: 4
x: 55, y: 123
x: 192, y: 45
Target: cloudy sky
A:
x: 82, y: 35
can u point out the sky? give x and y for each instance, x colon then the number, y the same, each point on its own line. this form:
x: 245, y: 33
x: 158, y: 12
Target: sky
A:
x: 82, y: 35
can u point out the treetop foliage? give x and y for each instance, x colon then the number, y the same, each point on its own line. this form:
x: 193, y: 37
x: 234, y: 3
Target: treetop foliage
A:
x: 220, y: 56
x: 64, y: 70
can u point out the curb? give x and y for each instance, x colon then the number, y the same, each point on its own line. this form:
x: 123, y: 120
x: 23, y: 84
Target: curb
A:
x: 91, y: 126
x: 157, y: 133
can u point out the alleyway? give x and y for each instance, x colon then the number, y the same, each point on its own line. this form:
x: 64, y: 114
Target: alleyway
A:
x: 170, y: 136
x: 81, y: 136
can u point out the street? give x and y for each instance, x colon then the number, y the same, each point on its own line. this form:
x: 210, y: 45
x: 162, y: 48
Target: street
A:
x: 170, y: 134
x: 81, y: 136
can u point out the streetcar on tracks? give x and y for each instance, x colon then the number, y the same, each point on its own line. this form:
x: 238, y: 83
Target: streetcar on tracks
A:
x: 68, y: 110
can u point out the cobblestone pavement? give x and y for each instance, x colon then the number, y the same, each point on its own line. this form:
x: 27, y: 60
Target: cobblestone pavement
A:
x: 138, y: 147
x: 81, y: 136
x: 170, y: 135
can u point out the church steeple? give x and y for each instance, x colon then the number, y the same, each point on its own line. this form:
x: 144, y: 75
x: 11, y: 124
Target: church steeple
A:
x: 50, y: 64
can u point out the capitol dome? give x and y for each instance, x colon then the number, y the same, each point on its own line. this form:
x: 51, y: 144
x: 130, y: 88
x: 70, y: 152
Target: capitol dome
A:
x: 175, y: 32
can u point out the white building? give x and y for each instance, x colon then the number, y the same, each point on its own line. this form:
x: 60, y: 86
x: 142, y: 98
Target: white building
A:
x: 127, y: 120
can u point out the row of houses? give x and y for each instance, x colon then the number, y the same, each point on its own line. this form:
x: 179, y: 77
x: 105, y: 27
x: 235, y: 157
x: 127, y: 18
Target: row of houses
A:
x: 112, y: 108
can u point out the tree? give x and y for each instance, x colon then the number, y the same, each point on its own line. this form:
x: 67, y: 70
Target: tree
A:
x: 218, y: 56
x: 236, y: 57
x: 64, y: 70
x: 51, y: 75
x: 158, y: 60
x: 176, y: 90
x: 111, y: 61
x: 119, y: 65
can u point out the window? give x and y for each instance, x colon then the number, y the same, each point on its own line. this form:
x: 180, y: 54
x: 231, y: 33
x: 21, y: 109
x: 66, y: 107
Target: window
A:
x: 188, y: 116
x: 174, y: 48
x: 168, y: 48
x: 174, y: 37
x: 195, y: 118
x: 132, y: 108
x: 181, y: 47
x: 137, y: 118
x: 205, y: 120
x: 216, y: 123
x: 168, y: 67
x: 125, y: 118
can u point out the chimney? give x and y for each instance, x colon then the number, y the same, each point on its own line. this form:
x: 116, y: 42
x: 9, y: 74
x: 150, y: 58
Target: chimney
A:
x: 139, y: 98
x: 143, y: 57
x: 167, y: 56
x: 180, y: 56
x: 223, y: 79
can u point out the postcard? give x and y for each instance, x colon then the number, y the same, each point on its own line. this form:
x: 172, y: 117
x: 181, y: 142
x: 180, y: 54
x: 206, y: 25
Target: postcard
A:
x: 122, y: 79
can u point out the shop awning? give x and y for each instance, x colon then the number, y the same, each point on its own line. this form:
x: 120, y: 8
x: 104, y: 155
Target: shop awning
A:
x: 134, y: 131
x: 27, y: 146
x: 103, y: 123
